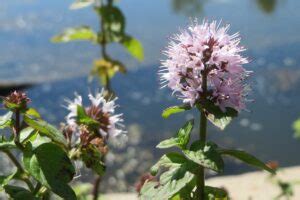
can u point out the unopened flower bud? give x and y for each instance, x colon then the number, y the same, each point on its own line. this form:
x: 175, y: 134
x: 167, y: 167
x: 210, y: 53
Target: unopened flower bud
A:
x: 16, y: 100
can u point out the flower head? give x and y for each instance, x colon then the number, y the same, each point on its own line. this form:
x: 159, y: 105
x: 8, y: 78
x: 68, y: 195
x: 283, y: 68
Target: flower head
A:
x: 101, y: 111
x: 206, y: 50
x: 16, y: 100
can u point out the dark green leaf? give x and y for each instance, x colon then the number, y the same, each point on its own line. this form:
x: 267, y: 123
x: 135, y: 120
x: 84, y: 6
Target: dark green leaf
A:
x: 93, y: 159
x: 19, y: 193
x: 113, y: 23
x: 46, y: 129
x: 247, y: 158
x: 50, y: 165
x: 134, y: 47
x: 171, y: 182
x: 175, y: 109
x: 205, y: 155
x: 83, y: 118
x: 213, y: 193
x: 216, y: 116
x: 6, y: 120
x: 82, y: 33
x: 170, y: 160
x: 4, y: 180
x: 6, y: 145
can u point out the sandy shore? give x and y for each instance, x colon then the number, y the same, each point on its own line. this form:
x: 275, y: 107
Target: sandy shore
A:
x: 254, y: 185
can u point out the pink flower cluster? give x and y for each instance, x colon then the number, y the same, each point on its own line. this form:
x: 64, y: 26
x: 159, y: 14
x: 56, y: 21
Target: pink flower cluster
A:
x: 206, y: 49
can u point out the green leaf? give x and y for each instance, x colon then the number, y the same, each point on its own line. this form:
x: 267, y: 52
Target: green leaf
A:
x: 182, y: 139
x: 213, y: 193
x: 46, y: 129
x: 19, y: 193
x: 33, y: 113
x: 82, y: 33
x: 171, y: 160
x: 83, y: 118
x: 296, y: 127
x: 113, y: 23
x: 4, y: 180
x: 6, y: 145
x: 247, y: 158
x: 27, y: 134
x: 216, y: 116
x: 134, y: 47
x: 179, y: 177
x: 50, y: 165
x: 184, y: 133
x: 171, y: 182
x: 78, y: 4
x: 6, y: 120
x: 205, y: 155
x: 92, y: 158
x: 172, y: 142
x: 175, y: 109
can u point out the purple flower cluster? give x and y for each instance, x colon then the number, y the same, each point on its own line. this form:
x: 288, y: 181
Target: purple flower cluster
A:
x: 206, y: 49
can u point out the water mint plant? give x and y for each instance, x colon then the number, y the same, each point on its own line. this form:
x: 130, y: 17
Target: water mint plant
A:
x: 44, y: 156
x: 205, y: 69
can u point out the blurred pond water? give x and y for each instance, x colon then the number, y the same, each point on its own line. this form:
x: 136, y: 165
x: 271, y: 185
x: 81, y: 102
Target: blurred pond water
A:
x: 269, y: 29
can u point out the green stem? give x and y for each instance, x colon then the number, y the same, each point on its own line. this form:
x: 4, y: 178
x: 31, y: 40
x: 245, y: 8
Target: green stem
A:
x: 20, y: 169
x: 202, y: 135
x: 201, y: 175
x: 96, y: 188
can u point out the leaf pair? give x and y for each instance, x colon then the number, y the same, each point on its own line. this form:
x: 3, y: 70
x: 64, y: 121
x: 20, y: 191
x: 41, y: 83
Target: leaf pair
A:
x: 213, y: 113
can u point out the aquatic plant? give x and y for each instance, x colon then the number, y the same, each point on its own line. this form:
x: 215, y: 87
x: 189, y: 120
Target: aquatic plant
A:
x: 204, y: 68
x: 46, y: 166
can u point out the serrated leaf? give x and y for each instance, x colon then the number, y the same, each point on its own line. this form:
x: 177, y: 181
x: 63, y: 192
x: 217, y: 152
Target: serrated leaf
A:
x: 6, y: 120
x: 78, y: 4
x: 213, y: 193
x: 82, y: 33
x: 205, y: 155
x: 216, y: 116
x: 50, y: 165
x: 170, y: 160
x: 45, y: 129
x: 246, y: 158
x: 134, y: 47
x: 171, y: 182
x: 175, y: 109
